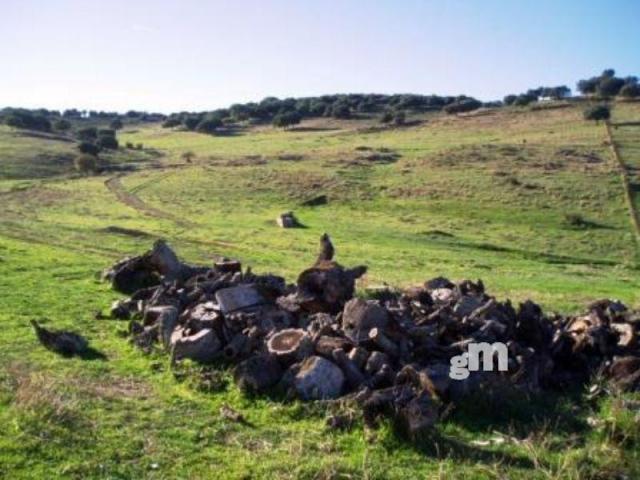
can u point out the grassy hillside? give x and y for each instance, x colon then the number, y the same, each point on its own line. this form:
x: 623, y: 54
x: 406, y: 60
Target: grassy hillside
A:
x: 531, y: 201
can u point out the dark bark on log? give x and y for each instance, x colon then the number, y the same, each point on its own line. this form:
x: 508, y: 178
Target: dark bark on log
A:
x: 359, y: 356
x: 237, y: 347
x: 326, y: 345
x: 382, y: 341
x: 354, y: 376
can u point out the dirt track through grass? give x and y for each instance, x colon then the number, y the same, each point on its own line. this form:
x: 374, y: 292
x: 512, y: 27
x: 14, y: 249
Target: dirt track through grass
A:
x: 115, y: 185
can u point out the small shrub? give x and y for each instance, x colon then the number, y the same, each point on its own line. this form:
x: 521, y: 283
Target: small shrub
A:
x: 461, y: 106
x: 129, y: 145
x: 597, y: 113
x: 62, y: 125
x: 575, y: 220
x: 399, y: 118
x: 171, y: 122
x: 188, y: 156
x: 27, y: 120
x: 139, y: 146
x: 106, y: 132
x: 610, y: 86
x: 287, y: 119
x: 108, y: 142
x: 630, y: 90
x: 510, y: 99
x: 341, y: 110
x: 88, y: 134
x: 524, y: 100
x: 191, y: 122
x: 86, y: 163
x: 88, y: 148
x: 209, y: 125
x: 387, y: 117
x: 116, y: 124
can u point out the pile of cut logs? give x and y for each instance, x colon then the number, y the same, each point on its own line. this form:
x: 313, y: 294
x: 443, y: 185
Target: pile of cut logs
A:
x: 391, y: 352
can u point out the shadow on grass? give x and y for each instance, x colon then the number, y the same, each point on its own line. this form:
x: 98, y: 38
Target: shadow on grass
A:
x: 627, y: 124
x: 453, y: 242
x: 313, y: 129
x: 522, y: 414
x: 230, y: 132
x: 511, y: 415
x: 445, y: 447
x: 92, y: 354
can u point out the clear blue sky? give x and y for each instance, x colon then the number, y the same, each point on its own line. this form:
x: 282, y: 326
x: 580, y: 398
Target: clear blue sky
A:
x: 167, y: 56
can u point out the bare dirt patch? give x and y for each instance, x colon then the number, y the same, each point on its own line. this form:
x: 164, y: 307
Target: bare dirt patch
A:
x: 505, y: 156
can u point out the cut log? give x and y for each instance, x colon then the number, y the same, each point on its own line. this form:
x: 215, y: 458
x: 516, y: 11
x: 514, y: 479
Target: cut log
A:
x: 382, y: 341
x: 418, y: 416
x: 625, y: 373
x: 325, y: 345
x: 258, y: 373
x: 626, y: 334
x: 359, y: 356
x: 327, y: 286
x: 237, y: 347
x: 354, y: 376
x: 242, y: 297
x: 121, y: 309
x: 202, y: 347
x: 290, y: 344
x: 158, y: 264
x: 318, y: 379
x: 466, y: 305
x: 383, y: 377
x: 360, y: 316
x: 375, y: 361
x: 167, y: 321
x: 327, y: 289
x: 226, y: 265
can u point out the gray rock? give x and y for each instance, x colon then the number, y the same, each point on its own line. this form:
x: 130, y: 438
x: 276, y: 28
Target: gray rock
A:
x: 318, y: 379
x: 237, y: 298
x: 203, y: 347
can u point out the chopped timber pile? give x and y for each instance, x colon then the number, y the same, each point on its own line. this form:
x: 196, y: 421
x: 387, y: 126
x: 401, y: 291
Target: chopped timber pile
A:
x: 394, y: 355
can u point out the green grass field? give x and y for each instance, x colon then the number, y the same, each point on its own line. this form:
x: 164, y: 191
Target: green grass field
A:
x: 486, y: 196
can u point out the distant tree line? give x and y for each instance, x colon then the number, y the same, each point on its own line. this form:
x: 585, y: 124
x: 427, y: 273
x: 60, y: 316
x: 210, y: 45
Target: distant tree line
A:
x: 45, y: 120
x: 607, y: 85
x: 27, y: 119
x: 537, y: 94
x: 290, y: 111
x: 284, y: 113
